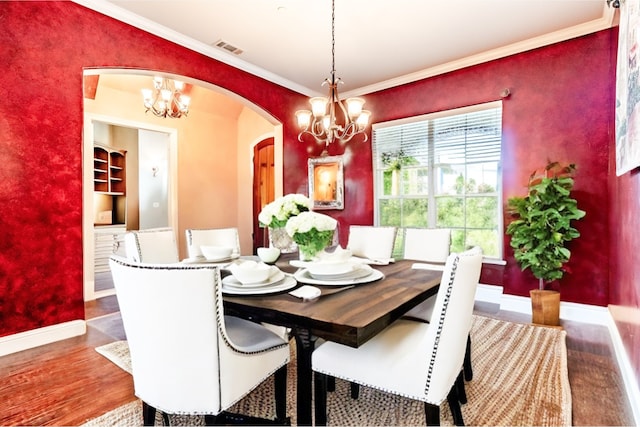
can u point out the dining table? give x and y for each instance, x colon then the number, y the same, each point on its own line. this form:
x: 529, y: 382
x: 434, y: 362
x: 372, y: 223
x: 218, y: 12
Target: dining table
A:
x: 346, y: 314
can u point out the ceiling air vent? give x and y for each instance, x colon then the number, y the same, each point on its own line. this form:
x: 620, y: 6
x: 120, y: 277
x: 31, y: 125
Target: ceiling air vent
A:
x: 228, y: 47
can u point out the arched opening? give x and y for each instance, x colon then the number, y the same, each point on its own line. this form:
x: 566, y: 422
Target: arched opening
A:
x: 210, y: 168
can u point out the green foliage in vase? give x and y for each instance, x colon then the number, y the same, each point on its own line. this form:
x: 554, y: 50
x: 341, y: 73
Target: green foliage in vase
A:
x: 541, y: 227
x: 312, y: 231
x: 313, y: 241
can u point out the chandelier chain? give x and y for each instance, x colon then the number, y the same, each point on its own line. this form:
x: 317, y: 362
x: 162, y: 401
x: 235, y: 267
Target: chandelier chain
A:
x: 333, y: 41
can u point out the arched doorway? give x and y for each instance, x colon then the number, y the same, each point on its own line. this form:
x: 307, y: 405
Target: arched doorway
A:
x: 213, y: 162
x: 263, y: 186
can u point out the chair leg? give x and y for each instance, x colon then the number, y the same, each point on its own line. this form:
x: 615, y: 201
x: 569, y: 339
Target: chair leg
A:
x: 355, y: 390
x: 432, y: 414
x: 214, y: 420
x: 148, y: 414
x: 331, y: 383
x: 462, y: 394
x: 280, y: 388
x: 454, y: 405
x: 468, y: 371
x: 320, y: 398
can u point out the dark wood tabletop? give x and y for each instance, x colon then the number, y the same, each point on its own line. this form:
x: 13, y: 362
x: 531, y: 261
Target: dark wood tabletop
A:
x: 351, y: 316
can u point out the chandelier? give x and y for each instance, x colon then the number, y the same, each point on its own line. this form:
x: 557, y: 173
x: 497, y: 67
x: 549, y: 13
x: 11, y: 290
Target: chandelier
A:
x: 325, y: 127
x: 166, y: 98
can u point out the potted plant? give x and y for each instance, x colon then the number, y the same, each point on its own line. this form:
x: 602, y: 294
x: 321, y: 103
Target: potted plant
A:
x: 540, y: 231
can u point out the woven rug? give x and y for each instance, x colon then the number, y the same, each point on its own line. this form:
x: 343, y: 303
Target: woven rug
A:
x: 520, y: 379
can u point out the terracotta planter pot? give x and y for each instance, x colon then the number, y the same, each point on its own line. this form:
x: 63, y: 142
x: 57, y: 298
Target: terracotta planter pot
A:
x: 545, y: 307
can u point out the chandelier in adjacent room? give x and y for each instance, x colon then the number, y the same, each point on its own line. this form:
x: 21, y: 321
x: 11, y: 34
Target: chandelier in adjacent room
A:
x: 166, y: 98
x: 326, y: 127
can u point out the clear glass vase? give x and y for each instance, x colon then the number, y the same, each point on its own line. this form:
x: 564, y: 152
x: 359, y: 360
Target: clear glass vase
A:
x: 279, y: 238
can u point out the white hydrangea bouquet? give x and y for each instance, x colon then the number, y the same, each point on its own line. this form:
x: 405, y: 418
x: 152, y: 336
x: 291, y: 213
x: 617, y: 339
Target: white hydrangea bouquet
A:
x: 312, y: 232
x: 277, y: 213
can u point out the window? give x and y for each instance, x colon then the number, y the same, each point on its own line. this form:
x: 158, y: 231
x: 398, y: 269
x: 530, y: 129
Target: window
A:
x: 442, y: 170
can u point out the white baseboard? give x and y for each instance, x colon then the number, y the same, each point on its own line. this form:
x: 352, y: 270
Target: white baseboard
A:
x: 584, y: 313
x: 37, y: 337
x: 489, y: 293
x: 628, y: 374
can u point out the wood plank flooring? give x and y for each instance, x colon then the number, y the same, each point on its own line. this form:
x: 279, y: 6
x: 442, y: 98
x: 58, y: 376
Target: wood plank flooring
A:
x: 68, y: 382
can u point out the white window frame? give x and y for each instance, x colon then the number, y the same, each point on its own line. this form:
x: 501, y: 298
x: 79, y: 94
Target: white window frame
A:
x: 377, y: 185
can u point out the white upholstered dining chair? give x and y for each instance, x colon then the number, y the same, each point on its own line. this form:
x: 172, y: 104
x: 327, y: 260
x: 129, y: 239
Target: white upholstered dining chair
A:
x: 431, y: 247
x: 421, y: 361
x: 372, y: 242
x: 212, y: 237
x: 187, y: 357
x: 154, y: 245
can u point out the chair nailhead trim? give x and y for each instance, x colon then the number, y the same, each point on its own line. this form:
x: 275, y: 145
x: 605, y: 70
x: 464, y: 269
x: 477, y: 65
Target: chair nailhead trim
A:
x: 434, y: 353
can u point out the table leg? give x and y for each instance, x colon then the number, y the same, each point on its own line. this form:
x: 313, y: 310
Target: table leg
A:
x: 304, y: 347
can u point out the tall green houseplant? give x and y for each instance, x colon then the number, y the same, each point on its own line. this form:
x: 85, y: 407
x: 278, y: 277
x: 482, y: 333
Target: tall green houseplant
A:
x: 542, y: 222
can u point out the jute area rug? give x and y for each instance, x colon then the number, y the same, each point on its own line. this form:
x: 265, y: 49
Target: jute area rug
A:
x: 520, y: 379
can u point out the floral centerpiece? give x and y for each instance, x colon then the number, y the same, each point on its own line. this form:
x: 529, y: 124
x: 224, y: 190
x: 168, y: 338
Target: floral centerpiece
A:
x: 276, y: 214
x: 312, y: 232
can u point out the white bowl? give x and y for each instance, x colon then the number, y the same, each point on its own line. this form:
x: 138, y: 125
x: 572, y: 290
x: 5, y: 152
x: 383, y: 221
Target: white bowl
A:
x: 251, y: 272
x: 336, y: 262
x: 268, y: 255
x: 216, y: 252
x: 338, y: 255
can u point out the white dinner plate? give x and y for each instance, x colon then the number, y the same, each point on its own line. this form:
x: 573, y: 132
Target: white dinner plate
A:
x: 357, y: 271
x: 303, y: 276
x: 326, y: 268
x: 275, y: 276
x: 285, y: 284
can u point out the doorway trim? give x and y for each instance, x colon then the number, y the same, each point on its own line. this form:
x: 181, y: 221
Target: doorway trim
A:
x: 88, y: 249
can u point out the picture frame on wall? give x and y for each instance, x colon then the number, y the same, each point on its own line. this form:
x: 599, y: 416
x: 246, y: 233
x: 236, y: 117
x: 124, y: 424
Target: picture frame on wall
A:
x: 326, y: 182
x: 628, y: 90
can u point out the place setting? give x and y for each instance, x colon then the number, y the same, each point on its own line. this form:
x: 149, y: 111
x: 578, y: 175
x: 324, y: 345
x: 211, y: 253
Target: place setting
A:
x: 250, y: 277
x: 337, y: 268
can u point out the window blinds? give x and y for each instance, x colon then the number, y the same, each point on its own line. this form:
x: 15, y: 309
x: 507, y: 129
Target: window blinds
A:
x: 457, y: 138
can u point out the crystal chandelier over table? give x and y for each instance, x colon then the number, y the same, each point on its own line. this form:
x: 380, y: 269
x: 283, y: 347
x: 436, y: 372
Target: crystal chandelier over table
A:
x: 166, y: 98
x: 325, y: 127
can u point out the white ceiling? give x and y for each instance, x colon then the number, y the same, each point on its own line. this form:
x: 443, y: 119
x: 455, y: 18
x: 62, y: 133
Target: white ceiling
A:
x: 379, y: 43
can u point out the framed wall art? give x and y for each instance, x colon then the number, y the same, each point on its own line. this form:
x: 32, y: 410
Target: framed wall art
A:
x: 628, y: 89
x: 326, y: 182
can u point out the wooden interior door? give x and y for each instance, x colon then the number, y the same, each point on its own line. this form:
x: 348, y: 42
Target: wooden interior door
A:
x: 263, y: 187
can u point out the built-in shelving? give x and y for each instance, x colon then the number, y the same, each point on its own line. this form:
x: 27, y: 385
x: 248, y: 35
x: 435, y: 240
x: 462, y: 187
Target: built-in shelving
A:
x: 109, y: 185
x: 109, y: 170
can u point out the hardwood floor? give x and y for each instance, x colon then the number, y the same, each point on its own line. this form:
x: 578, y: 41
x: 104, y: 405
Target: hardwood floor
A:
x: 69, y: 383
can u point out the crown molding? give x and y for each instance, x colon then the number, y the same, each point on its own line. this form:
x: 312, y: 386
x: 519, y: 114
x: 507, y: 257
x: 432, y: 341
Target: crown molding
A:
x: 604, y: 22
x: 113, y: 11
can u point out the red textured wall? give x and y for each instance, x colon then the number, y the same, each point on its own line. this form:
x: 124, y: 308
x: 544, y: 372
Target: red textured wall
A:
x: 624, y: 273
x: 560, y: 109
x: 44, y: 47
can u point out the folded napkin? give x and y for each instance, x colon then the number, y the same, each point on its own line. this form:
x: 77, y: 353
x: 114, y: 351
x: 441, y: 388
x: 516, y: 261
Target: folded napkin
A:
x: 427, y: 266
x: 306, y: 292
x: 374, y: 261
